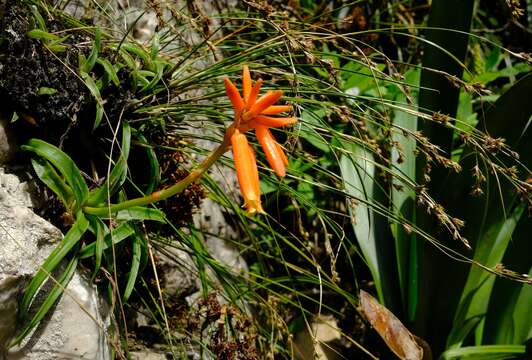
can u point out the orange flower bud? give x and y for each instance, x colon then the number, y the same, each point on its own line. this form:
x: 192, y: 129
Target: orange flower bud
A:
x: 246, y: 83
x: 233, y: 95
x: 276, y: 109
x: 272, y: 150
x: 254, y: 93
x: 273, y: 122
x: 264, y: 102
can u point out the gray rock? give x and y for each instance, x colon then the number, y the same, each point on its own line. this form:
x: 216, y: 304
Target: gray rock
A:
x: 178, y: 275
x: 7, y: 145
x: 10, y: 288
x: 77, y: 326
x: 148, y: 355
x: 76, y: 329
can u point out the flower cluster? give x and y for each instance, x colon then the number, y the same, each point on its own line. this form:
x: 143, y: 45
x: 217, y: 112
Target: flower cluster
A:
x: 251, y: 112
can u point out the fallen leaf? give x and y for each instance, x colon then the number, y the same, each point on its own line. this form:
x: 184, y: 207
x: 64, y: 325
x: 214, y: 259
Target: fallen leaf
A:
x: 390, y: 328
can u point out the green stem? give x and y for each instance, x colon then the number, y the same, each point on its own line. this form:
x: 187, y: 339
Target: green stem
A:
x: 170, y: 191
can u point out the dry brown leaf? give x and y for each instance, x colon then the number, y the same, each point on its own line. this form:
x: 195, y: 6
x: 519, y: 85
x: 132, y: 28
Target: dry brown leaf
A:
x: 393, y: 332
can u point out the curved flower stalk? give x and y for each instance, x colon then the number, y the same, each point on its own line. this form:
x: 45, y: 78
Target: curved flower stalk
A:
x: 252, y: 113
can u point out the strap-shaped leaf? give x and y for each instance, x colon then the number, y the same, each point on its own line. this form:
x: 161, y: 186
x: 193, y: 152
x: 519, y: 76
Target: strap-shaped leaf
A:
x: 118, y: 234
x: 403, y: 196
x: 140, y: 52
x: 160, y: 67
x: 358, y: 171
x: 118, y: 174
x: 95, y: 91
x: 51, y: 178
x: 64, y: 164
x: 137, y: 244
x: 93, y: 56
x: 39, y: 20
x: 492, y: 218
x: 485, y: 352
x: 140, y: 213
x: 100, y: 230
x: 48, y: 303
x: 41, y: 35
x: 109, y: 70
x: 153, y: 164
x: 60, y: 252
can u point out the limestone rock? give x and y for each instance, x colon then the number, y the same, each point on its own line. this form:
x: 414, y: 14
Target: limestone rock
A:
x: 27, y: 239
x: 76, y: 329
x: 317, y: 345
x: 6, y: 142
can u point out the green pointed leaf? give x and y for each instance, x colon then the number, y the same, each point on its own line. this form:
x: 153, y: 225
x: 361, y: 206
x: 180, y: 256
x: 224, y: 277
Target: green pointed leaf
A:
x: 118, y: 174
x: 141, y: 213
x: 358, y: 173
x: 492, y: 218
x: 51, y: 178
x: 444, y: 52
x: 70, y: 239
x: 155, y: 44
x: 153, y: 164
x: 100, y: 230
x: 41, y: 35
x: 109, y: 70
x: 403, y: 195
x: 140, y: 52
x: 485, y: 352
x: 93, y: 56
x: 121, y: 232
x: 137, y: 244
x: 508, y: 319
x: 64, y: 164
x: 49, y: 302
x: 41, y: 24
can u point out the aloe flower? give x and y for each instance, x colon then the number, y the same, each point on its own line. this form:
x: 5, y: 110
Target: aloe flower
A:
x: 252, y: 112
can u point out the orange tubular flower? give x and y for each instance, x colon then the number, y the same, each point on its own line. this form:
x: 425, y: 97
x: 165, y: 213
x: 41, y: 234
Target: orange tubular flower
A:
x: 246, y: 170
x: 251, y: 112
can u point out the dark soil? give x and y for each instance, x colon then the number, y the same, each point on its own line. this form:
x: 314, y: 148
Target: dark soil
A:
x: 26, y: 66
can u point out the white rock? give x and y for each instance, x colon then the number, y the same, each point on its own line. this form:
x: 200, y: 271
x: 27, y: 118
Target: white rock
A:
x: 315, y: 345
x: 27, y: 239
x: 147, y: 355
x: 76, y: 329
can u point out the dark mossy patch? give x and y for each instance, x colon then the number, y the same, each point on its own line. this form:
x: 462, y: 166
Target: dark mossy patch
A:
x: 40, y: 85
